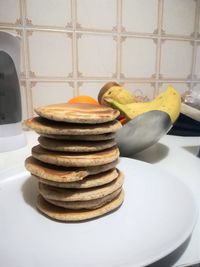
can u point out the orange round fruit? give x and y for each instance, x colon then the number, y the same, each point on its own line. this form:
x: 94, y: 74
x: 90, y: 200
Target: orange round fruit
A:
x: 123, y: 120
x: 83, y: 99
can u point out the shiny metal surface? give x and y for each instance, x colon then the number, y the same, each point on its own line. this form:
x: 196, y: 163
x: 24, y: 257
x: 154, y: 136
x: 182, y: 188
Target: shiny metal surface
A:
x: 142, y: 132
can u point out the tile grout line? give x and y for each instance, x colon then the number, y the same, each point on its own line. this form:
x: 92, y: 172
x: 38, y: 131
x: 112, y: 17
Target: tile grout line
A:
x: 75, y: 46
x: 158, y: 48
x: 23, y: 82
x: 194, y: 52
x: 119, y: 49
x: 100, y: 79
x: 29, y: 99
x: 103, y: 32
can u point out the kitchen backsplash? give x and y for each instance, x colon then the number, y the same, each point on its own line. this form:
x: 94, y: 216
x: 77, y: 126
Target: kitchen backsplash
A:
x: 71, y: 47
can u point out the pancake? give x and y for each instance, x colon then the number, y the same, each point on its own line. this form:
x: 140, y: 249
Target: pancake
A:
x: 64, y: 174
x: 89, y: 204
x: 62, y: 214
x: 44, y: 126
x: 70, y: 159
x: 99, y: 137
x: 75, y: 146
x: 78, y: 113
x: 88, y: 182
x: 63, y: 194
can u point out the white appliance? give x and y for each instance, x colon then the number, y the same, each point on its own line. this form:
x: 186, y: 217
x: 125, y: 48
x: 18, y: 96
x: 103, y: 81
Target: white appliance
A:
x: 11, y: 134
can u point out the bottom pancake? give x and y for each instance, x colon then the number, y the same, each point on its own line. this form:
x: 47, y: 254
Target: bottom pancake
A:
x: 62, y: 214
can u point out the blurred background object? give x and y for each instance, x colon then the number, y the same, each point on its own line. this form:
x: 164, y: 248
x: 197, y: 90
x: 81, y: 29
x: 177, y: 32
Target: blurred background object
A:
x: 11, y: 134
x: 68, y: 49
x: 188, y: 123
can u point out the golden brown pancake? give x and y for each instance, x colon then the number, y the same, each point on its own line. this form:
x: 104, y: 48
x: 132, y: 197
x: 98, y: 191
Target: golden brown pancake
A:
x: 88, y: 182
x: 70, y: 159
x: 64, y: 174
x: 74, y: 146
x: 62, y: 214
x: 64, y: 194
x: 44, y: 126
x: 99, y: 137
x: 78, y: 113
x: 88, y: 204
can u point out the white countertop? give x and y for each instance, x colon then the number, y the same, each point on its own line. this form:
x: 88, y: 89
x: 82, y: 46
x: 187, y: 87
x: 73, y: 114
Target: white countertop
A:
x: 177, y: 155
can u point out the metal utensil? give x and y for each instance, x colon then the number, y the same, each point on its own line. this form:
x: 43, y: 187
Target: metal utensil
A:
x: 142, y: 132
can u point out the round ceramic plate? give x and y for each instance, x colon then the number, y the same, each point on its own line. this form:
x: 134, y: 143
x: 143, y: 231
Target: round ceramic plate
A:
x: 157, y: 216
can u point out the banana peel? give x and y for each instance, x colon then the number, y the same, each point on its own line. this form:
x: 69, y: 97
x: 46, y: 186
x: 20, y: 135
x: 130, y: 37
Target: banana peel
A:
x: 169, y: 101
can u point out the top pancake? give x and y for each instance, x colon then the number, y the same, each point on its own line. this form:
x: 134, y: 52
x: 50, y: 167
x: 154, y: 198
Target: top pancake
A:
x: 78, y: 113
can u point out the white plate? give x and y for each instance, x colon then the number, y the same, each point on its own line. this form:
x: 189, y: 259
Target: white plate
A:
x: 157, y: 216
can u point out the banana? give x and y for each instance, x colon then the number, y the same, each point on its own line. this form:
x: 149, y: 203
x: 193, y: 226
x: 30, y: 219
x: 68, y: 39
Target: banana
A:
x: 116, y: 92
x: 119, y: 94
x: 169, y: 101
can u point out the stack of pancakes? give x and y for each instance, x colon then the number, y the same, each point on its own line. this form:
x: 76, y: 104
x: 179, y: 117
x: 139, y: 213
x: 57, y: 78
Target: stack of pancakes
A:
x: 75, y: 161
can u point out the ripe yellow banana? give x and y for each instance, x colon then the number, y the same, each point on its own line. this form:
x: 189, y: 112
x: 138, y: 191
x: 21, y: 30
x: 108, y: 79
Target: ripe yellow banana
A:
x: 119, y: 94
x: 169, y: 101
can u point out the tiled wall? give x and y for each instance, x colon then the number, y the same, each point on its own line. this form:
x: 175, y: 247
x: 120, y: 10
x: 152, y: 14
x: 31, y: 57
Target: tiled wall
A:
x: 72, y: 47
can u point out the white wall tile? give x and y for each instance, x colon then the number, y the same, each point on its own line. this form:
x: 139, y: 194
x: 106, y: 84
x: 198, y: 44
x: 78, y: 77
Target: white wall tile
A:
x: 138, y: 57
x: 179, y: 16
x: 90, y: 88
x: 176, y: 59
x: 199, y: 22
x: 97, y: 14
x: 97, y: 55
x: 197, y: 66
x: 140, y: 16
x: 196, y: 89
x: 180, y: 87
x: 9, y: 11
x: 49, y: 93
x: 144, y: 90
x: 50, y: 54
x: 49, y: 13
